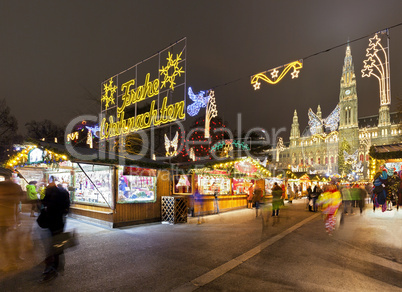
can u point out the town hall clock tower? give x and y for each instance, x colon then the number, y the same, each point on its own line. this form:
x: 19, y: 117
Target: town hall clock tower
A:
x: 348, y: 121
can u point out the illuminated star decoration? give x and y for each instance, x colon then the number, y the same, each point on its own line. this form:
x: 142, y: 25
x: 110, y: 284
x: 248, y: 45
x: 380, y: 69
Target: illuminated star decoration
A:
x: 172, y: 65
x: 171, y: 144
x: 295, y: 66
x: 107, y: 97
x: 378, y: 67
x: 316, y: 123
x: 200, y: 100
x: 279, y: 148
x: 211, y: 112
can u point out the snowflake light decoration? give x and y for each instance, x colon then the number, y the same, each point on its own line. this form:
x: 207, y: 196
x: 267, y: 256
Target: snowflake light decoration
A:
x: 108, y: 96
x: 172, y: 66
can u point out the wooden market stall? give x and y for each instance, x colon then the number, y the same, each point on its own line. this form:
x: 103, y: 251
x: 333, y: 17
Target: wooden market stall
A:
x: 104, y: 193
x: 230, y: 179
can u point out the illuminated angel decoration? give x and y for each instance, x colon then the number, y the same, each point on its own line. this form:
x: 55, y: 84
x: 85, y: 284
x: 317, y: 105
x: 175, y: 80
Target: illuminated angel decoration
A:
x: 330, y: 122
x: 350, y: 158
x: 171, y: 144
x: 275, y: 78
x: 200, y: 100
x: 378, y: 66
x: 264, y: 162
x: 211, y: 112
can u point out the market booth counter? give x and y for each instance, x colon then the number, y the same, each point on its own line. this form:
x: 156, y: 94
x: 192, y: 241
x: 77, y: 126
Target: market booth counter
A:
x: 230, y: 180
x: 106, y: 194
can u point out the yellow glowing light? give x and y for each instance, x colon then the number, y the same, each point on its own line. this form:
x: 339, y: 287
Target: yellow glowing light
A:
x: 171, y: 64
x: 109, y: 92
x: 296, y: 66
x: 167, y: 113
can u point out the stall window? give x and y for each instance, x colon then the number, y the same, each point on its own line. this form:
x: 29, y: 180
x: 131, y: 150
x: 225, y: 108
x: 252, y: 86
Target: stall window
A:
x: 205, y: 184
x: 137, y: 185
x: 93, y: 184
x: 182, y: 184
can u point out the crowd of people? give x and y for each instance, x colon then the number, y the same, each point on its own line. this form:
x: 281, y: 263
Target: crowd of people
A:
x: 50, y: 204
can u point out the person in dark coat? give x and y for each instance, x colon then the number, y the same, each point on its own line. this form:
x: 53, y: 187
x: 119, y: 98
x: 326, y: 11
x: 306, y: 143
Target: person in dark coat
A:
x: 57, y: 204
x: 276, y: 199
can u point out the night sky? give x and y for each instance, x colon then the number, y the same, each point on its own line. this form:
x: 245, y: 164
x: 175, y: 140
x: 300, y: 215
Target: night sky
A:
x: 55, y: 54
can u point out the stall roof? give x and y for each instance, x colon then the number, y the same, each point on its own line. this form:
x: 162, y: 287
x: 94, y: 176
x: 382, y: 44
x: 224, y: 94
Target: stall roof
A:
x: 390, y: 151
x: 62, y: 154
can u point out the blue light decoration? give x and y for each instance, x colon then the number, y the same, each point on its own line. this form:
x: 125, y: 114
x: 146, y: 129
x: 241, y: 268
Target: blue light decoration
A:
x: 94, y: 130
x: 200, y: 100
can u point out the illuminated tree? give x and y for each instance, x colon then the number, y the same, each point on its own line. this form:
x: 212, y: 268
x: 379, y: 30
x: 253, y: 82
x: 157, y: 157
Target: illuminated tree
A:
x: 343, y: 167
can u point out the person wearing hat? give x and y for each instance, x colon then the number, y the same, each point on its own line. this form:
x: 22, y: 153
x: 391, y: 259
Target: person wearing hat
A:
x: 32, y: 196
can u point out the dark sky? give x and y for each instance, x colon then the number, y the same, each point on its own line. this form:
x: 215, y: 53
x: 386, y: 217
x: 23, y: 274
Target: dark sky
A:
x: 55, y: 54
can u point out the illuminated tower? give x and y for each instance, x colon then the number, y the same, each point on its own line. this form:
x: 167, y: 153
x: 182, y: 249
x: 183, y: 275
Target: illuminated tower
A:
x: 295, y: 131
x: 348, y: 123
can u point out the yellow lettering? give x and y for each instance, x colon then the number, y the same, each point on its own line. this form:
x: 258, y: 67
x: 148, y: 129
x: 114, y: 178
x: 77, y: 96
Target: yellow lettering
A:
x: 126, y: 98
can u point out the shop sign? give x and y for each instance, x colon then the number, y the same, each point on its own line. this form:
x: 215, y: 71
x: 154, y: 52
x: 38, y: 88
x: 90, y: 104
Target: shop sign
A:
x: 129, y: 170
x: 150, y: 93
x: 36, y: 155
x: 245, y: 167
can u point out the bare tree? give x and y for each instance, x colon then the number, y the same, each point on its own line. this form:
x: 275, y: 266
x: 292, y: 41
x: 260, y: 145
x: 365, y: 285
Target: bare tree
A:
x: 8, y: 131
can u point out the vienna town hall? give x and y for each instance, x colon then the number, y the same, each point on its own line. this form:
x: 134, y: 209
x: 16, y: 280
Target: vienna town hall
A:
x: 317, y: 149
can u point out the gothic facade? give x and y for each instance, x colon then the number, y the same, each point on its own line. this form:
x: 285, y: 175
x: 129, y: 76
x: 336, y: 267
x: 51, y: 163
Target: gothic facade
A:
x: 316, y: 150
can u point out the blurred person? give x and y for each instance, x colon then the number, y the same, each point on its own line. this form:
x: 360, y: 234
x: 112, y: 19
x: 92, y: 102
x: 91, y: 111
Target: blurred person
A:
x: 216, y: 202
x: 10, y: 197
x: 257, y: 197
x: 276, y: 199
x: 310, y: 198
x: 56, y: 203
x: 330, y: 201
x: 290, y: 193
x: 32, y: 197
x: 347, y: 200
x: 198, y: 202
x: 315, y: 194
x: 362, y: 198
x: 250, y: 191
x: 283, y: 194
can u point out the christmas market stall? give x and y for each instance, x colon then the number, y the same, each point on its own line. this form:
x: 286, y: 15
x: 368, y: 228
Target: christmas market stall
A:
x: 104, y: 193
x: 230, y: 180
x: 386, y: 167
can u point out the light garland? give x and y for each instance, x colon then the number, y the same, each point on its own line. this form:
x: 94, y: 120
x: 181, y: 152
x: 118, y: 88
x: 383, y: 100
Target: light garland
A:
x: 381, y: 67
x: 274, y: 79
x: 22, y: 158
x: 325, y: 137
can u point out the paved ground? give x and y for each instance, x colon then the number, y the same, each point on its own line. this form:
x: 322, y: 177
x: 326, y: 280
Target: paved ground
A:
x: 228, y: 252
